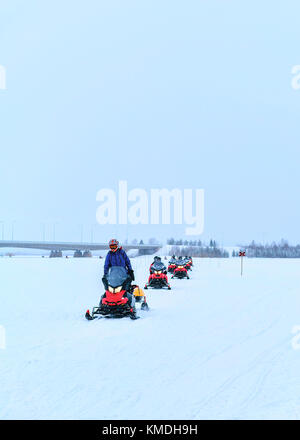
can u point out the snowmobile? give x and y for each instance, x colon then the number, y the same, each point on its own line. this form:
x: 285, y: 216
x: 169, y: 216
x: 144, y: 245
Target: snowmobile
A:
x: 158, y: 277
x: 171, y: 267
x: 116, y: 302
x: 172, y: 264
x: 180, y: 271
x: 188, y: 263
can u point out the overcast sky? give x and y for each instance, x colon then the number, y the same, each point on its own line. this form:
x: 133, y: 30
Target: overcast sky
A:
x: 163, y: 94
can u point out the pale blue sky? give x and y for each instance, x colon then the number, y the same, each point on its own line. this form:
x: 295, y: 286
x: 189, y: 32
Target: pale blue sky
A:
x: 193, y: 94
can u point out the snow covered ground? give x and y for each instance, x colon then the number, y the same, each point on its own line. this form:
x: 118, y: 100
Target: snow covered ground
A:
x: 215, y: 346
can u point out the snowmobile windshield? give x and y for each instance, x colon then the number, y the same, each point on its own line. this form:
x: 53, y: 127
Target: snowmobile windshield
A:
x: 158, y: 266
x: 116, y: 276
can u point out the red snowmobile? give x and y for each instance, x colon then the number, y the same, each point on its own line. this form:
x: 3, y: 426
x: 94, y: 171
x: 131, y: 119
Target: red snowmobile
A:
x: 116, y: 302
x: 188, y: 264
x: 180, y: 271
x: 172, y: 264
x: 171, y: 267
x: 158, y: 277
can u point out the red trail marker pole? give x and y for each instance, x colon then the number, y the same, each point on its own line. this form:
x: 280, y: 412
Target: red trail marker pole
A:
x: 242, y: 254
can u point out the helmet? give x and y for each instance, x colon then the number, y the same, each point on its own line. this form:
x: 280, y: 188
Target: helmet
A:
x: 113, y: 244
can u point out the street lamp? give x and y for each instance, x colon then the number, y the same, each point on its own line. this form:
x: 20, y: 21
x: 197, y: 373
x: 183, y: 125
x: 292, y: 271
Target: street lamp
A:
x: 2, y: 222
x: 12, y: 230
x: 81, y: 232
x: 92, y: 233
x: 54, y: 230
x: 43, y: 231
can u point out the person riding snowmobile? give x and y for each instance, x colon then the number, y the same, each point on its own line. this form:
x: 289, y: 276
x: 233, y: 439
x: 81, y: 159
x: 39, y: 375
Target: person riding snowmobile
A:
x: 117, y: 282
x: 116, y: 301
x: 158, y: 275
x: 180, y: 271
x: 117, y: 257
x: 172, y: 264
x: 156, y: 260
x: 188, y: 262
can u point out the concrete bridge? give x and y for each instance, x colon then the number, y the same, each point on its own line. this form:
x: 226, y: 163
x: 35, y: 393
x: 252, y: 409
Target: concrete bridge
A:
x: 58, y: 247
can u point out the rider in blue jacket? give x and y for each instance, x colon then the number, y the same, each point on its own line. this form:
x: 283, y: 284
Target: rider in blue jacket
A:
x: 117, y: 257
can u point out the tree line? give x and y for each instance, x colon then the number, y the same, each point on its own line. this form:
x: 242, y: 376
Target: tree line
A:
x: 196, y: 248
x: 273, y: 250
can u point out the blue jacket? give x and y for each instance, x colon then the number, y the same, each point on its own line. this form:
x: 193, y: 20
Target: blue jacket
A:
x: 118, y: 258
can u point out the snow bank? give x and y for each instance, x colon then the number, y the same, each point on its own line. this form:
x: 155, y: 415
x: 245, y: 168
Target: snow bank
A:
x: 216, y: 346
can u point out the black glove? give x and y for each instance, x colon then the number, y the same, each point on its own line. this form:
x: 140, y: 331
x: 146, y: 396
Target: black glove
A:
x: 105, y: 282
x: 131, y: 274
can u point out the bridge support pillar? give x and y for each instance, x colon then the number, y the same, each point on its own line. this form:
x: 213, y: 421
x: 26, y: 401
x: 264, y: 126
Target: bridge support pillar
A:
x: 55, y: 254
x: 77, y: 254
x: 87, y: 254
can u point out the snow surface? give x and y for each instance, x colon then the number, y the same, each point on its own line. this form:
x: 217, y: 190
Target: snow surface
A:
x: 216, y: 346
